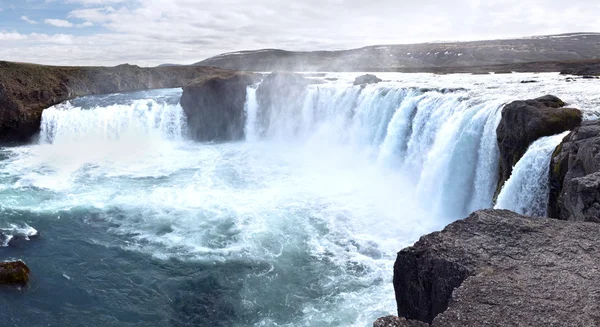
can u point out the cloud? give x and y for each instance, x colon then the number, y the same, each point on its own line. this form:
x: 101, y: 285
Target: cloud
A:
x: 36, y: 38
x: 58, y: 22
x: 30, y: 21
x: 151, y: 32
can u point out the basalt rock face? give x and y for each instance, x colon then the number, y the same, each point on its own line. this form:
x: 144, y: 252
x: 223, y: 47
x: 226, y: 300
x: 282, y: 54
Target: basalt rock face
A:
x: 14, y: 273
x: 523, y: 122
x: 26, y: 89
x: 214, y: 106
x: 575, y: 176
x: 280, y: 91
x: 498, y: 268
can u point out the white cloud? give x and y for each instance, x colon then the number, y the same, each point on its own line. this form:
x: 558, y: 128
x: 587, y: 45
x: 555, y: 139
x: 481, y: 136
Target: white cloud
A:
x: 58, y: 22
x: 14, y: 36
x: 151, y: 32
x: 30, y: 21
x: 36, y: 38
x: 86, y: 24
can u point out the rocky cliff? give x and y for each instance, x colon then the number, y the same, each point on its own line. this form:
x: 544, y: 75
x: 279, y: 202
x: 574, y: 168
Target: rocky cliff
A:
x: 523, y: 122
x: 575, y: 176
x: 27, y: 89
x: 497, y: 268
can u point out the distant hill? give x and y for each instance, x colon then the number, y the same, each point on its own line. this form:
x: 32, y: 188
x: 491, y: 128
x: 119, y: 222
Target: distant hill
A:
x: 419, y: 57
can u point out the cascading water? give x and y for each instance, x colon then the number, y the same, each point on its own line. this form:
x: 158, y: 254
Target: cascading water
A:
x: 527, y: 190
x: 443, y: 140
x: 297, y: 226
x: 66, y: 123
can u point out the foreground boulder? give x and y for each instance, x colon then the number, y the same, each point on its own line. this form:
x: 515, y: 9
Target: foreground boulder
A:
x: 498, y: 268
x: 214, y: 105
x: 27, y: 89
x: 523, y: 122
x: 14, y: 273
x: 367, y: 79
x: 575, y: 176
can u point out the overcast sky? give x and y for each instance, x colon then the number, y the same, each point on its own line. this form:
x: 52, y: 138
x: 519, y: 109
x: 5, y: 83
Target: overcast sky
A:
x: 151, y: 32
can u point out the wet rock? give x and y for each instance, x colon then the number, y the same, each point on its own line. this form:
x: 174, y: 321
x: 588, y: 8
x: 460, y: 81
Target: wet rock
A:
x: 214, y: 105
x: 523, y: 122
x: 498, y: 268
x: 393, y: 321
x: 15, y: 273
x: 367, y: 79
x: 575, y: 176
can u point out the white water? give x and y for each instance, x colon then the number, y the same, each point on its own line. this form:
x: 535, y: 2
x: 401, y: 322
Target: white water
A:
x: 140, y: 119
x: 444, y: 143
x: 527, y: 190
x: 317, y: 202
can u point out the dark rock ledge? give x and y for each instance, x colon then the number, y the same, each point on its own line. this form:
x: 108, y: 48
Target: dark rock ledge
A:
x: 575, y: 175
x: 524, y: 122
x: 498, y: 268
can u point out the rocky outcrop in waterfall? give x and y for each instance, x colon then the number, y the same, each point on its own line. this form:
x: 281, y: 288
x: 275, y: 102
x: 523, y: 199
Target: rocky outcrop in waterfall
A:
x: 523, y: 122
x: 575, y: 176
x: 214, y: 106
x: 27, y: 89
x: 497, y: 268
x: 367, y: 79
x: 281, y: 91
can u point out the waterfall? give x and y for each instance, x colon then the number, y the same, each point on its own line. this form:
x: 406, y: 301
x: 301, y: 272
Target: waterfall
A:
x: 66, y: 123
x: 526, y: 191
x: 444, y: 140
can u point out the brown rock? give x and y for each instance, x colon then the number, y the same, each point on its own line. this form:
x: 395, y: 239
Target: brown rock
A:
x: 14, y: 273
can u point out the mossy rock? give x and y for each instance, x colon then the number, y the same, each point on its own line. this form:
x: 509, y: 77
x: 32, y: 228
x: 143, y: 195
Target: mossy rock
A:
x: 14, y: 273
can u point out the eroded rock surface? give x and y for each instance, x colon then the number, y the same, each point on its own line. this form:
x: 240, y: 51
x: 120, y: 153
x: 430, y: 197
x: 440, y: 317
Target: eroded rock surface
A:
x: 575, y: 176
x: 498, y: 268
x: 523, y: 122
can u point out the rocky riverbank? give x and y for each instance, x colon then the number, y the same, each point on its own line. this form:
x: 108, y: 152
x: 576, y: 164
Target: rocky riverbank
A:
x: 497, y: 268
x: 27, y: 89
